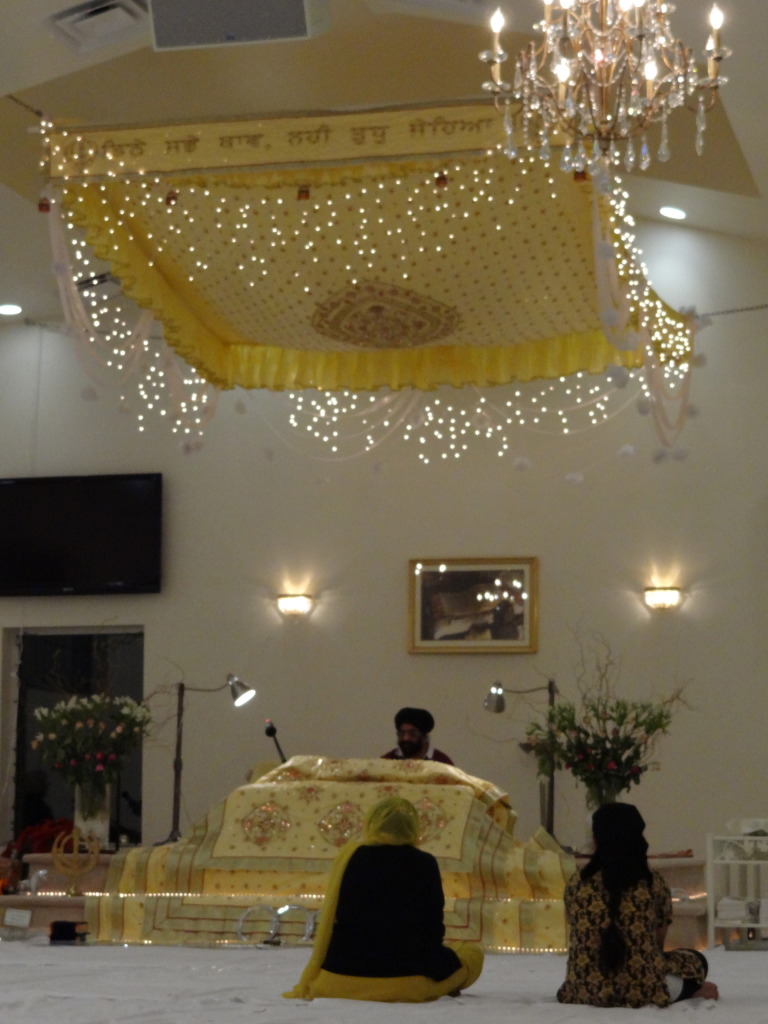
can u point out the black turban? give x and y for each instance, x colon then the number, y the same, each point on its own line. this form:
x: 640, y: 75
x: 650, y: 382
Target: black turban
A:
x: 417, y: 717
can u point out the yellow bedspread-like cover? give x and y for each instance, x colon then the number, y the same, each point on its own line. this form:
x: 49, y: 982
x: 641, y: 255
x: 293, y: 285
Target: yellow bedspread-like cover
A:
x: 270, y: 845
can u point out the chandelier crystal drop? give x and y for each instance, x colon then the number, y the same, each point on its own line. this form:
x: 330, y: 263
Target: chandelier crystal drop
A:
x: 602, y: 73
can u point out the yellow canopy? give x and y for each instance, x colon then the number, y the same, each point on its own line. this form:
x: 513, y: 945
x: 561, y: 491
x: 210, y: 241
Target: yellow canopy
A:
x: 426, y: 262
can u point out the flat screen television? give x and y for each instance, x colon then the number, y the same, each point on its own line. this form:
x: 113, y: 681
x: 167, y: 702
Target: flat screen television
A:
x: 81, y: 534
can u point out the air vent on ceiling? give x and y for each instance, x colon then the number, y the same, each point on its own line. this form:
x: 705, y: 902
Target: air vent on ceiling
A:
x: 179, y: 24
x: 100, y: 22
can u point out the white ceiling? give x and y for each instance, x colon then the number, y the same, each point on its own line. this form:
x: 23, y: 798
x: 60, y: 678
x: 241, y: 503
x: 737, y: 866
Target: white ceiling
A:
x: 375, y: 53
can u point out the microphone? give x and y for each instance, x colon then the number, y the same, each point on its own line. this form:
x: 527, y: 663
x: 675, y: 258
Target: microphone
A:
x: 270, y: 730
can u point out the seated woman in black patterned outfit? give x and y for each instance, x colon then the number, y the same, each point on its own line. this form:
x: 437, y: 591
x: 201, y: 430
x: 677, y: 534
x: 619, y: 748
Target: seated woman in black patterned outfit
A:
x: 618, y: 913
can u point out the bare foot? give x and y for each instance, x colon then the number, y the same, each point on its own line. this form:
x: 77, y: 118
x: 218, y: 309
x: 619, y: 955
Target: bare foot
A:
x: 707, y: 991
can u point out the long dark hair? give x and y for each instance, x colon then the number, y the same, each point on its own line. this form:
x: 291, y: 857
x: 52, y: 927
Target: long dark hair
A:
x: 621, y: 857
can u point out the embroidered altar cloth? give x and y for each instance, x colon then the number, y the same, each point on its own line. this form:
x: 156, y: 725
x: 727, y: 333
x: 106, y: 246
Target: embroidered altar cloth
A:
x: 271, y: 842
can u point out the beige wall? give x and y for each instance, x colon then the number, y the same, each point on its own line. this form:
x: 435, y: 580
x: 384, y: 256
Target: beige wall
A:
x: 249, y: 513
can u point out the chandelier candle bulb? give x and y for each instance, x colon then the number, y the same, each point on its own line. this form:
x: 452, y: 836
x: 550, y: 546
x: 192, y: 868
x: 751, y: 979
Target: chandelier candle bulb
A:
x: 651, y: 70
x: 716, y: 19
x: 497, y: 24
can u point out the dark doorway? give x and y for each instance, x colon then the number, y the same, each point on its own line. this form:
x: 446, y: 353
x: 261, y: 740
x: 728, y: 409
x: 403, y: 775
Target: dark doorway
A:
x: 53, y: 667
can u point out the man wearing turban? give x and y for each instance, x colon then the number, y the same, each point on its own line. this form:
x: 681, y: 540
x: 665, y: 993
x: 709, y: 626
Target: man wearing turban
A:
x: 413, y: 727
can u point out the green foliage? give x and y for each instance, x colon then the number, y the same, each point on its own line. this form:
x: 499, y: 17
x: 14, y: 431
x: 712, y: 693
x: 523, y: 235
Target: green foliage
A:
x: 605, y: 741
x: 86, y: 739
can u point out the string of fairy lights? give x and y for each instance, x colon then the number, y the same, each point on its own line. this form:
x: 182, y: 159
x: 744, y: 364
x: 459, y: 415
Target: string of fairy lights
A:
x: 117, y: 341
x: 345, y: 423
x: 157, y: 383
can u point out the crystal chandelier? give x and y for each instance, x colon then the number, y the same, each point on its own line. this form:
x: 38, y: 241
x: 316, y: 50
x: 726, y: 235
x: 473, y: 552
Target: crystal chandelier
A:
x: 602, y: 73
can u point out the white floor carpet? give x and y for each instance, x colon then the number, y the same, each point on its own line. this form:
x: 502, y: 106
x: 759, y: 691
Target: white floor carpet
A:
x: 44, y: 984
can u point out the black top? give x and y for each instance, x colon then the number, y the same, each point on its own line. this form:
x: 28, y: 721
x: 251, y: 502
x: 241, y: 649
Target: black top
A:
x: 389, y: 917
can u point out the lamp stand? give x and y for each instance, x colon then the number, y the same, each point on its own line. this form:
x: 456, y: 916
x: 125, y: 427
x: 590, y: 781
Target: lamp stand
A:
x: 241, y: 693
x: 550, y: 816
x: 175, y: 834
x: 549, y: 802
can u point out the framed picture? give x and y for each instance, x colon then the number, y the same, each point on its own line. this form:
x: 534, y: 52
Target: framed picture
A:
x: 472, y: 606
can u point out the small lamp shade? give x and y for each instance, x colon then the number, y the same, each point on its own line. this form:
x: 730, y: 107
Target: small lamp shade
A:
x: 241, y: 692
x: 494, y: 700
x: 662, y: 597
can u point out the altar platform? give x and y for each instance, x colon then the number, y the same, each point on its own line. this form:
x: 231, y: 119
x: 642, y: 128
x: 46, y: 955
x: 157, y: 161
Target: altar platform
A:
x: 253, y: 870
x: 270, y: 844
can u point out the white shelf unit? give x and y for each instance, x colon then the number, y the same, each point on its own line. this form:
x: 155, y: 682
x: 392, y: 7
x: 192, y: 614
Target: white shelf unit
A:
x: 737, y: 869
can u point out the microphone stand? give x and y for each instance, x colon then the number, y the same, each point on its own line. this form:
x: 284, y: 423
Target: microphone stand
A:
x: 272, y: 731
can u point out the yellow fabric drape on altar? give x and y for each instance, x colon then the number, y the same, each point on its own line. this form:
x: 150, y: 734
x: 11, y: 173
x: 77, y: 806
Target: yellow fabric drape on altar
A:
x: 272, y: 842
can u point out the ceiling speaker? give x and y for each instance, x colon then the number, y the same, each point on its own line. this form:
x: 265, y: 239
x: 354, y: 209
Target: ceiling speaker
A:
x: 180, y: 24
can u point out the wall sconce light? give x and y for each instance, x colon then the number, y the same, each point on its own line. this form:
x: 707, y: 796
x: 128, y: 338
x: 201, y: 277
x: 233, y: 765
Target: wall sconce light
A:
x: 662, y: 597
x: 295, y: 604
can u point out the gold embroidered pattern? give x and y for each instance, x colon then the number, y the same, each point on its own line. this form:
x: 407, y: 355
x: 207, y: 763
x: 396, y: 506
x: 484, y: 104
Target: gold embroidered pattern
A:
x: 432, y: 819
x: 342, y: 823
x: 264, y: 823
x: 373, y: 315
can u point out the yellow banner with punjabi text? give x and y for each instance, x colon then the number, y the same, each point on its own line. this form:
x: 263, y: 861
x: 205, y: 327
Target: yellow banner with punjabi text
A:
x: 272, y: 142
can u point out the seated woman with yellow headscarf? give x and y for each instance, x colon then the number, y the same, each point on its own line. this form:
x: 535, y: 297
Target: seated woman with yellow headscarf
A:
x: 381, y: 928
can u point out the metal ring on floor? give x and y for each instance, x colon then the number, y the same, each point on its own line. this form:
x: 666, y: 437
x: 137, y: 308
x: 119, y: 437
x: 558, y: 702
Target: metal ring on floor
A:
x: 272, y: 939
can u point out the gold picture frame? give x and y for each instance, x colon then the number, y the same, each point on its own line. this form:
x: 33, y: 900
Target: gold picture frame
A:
x: 473, y: 605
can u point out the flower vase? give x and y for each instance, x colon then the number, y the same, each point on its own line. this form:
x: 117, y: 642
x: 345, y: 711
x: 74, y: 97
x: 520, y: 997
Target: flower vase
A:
x: 603, y: 791
x: 92, y: 812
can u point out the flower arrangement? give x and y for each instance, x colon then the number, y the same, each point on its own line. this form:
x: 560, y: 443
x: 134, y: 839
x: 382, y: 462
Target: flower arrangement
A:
x: 605, y: 741
x: 86, y: 740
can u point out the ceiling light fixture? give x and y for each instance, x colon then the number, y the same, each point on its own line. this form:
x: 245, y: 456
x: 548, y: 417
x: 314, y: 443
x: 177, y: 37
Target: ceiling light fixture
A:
x: 10, y: 309
x: 603, y: 72
x: 673, y: 213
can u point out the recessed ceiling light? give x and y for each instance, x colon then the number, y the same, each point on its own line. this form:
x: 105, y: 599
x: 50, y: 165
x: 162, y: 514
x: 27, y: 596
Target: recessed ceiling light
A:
x: 9, y: 309
x: 673, y: 212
